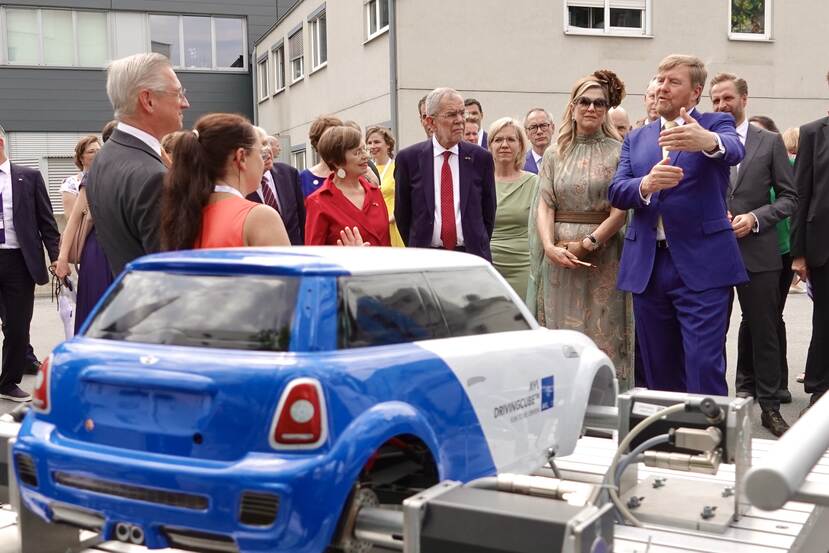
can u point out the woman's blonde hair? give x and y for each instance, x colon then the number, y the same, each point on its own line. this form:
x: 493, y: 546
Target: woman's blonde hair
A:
x: 791, y: 138
x: 502, y: 124
x: 613, y: 90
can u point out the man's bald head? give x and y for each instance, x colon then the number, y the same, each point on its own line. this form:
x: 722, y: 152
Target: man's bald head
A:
x: 620, y: 120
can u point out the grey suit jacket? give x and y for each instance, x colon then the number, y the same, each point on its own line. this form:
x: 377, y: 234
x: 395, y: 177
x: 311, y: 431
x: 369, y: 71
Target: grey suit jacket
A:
x: 765, y: 166
x: 123, y: 188
x: 810, y: 225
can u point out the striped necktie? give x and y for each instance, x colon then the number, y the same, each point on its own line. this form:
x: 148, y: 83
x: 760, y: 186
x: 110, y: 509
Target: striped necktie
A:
x: 2, y: 223
x: 268, y: 196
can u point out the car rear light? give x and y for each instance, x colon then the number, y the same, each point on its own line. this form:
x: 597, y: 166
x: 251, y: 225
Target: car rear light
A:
x: 300, y: 421
x: 41, y: 394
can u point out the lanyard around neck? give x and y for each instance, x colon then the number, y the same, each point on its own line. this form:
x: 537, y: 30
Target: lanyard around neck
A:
x: 228, y: 189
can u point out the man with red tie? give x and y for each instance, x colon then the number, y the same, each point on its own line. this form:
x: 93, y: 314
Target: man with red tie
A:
x: 445, y: 188
x: 280, y: 189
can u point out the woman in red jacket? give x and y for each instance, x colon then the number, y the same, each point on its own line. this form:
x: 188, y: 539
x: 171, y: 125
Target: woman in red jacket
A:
x: 346, y: 202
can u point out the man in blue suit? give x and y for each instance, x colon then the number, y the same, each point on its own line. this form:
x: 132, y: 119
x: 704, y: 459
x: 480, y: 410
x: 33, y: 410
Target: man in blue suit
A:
x: 540, y: 128
x: 680, y: 257
x: 445, y: 188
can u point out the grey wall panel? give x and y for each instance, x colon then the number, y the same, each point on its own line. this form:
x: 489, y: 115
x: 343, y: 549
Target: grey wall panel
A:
x: 69, y: 100
x: 77, y: 4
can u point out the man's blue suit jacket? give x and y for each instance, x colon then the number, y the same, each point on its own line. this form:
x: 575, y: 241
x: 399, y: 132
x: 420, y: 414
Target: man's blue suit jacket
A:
x: 701, y: 242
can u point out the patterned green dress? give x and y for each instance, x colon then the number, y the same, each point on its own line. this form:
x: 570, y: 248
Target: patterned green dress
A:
x: 583, y: 299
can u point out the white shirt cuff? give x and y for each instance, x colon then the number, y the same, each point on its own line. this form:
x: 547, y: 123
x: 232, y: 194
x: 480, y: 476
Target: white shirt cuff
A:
x: 720, y: 152
x: 755, y: 228
x: 645, y: 199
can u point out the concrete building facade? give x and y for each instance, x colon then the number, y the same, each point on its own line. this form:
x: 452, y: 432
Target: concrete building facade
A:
x: 53, y: 55
x: 515, y: 55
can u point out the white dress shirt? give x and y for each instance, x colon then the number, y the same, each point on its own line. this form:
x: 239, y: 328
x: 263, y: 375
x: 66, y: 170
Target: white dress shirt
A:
x: 144, y: 137
x: 537, y: 158
x: 481, y: 135
x: 454, y: 166
x: 8, y: 206
x: 272, y: 185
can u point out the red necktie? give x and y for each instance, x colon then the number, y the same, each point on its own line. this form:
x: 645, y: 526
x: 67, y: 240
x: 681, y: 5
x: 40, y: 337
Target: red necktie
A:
x: 268, y: 196
x: 448, y: 233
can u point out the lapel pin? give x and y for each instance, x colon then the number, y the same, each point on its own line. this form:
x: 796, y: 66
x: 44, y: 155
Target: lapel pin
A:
x: 467, y: 158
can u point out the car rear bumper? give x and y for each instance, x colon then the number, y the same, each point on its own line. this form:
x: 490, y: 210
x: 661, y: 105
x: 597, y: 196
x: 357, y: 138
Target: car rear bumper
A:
x: 286, y: 503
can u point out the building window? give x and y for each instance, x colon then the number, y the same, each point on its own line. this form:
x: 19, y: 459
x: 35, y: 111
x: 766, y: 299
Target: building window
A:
x: 193, y: 42
x: 298, y: 159
x: 262, y: 77
x: 749, y: 19
x: 278, y: 68
x: 58, y: 38
x: 607, y: 17
x: 377, y: 17
x: 296, y: 53
x: 319, y: 41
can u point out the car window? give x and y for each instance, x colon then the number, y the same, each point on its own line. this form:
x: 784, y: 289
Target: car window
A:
x: 475, y: 302
x: 235, y: 312
x: 387, y: 309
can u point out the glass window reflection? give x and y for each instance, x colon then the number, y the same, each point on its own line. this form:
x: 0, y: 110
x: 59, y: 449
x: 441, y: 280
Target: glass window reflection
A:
x: 197, y: 42
x: 164, y: 37
x: 229, y: 42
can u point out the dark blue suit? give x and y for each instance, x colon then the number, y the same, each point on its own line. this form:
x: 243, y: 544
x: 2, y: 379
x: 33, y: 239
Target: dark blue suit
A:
x: 414, y: 203
x: 291, y: 201
x: 681, y: 293
x: 530, y: 164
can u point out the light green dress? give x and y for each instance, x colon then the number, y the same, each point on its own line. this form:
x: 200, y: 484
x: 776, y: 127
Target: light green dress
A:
x: 509, y: 244
x: 583, y: 299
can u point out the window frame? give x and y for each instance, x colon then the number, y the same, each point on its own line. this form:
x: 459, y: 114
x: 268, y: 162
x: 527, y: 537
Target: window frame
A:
x: 278, y: 55
x: 262, y: 79
x: 300, y: 58
x: 314, y: 34
x: 766, y: 36
x: 645, y: 31
x: 296, y: 151
x: 41, y: 50
x: 367, y: 12
x: 179, y: 64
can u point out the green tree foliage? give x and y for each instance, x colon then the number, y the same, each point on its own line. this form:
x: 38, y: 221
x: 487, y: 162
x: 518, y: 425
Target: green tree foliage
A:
x: 748, y: 16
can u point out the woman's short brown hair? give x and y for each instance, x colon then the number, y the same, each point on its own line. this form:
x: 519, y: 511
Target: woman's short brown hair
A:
x: 336, y: 142
x: 81, y: 147
x: 385, y: 134
x: 319, y: 126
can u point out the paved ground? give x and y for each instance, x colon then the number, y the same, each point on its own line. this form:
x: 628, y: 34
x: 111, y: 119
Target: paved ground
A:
x: 47, y: 331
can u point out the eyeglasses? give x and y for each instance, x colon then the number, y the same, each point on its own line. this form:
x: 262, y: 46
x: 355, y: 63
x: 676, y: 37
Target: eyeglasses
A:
x: 453, y: 114
x: 266, y: 153
x: 182, y: 93
x: 585, y: 102
x: 539, y: 127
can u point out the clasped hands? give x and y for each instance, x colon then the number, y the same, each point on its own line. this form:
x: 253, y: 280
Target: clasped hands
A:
x: 741, y: 224
x: 567, y: 254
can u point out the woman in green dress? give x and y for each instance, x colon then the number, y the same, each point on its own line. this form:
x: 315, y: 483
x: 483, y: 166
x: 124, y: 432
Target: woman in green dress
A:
x: 577, y: 242
x: 515, y: 190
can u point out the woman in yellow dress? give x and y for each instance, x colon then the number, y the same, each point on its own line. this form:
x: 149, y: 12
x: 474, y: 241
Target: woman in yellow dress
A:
x: 380, y: 144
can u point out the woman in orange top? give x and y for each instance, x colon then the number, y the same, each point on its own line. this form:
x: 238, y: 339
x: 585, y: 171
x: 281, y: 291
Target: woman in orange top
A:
x: 346, y: 200
x: 203, y: 204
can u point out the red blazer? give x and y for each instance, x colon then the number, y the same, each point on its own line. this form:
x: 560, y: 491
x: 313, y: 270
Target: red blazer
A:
x: 328, y: 211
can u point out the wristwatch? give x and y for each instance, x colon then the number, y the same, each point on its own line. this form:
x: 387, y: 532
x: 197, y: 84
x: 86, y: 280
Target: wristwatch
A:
x: 594, y: 244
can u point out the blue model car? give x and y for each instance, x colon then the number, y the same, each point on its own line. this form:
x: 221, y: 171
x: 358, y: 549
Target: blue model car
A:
x: 238, y: 400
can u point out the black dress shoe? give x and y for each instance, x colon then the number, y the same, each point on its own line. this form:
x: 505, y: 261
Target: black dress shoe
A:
x: 783, y: 396
x: 812, y: 400
x: 773, y: 420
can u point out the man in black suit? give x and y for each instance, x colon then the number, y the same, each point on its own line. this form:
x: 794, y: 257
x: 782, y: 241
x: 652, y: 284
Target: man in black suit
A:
x: 764, y: 167
x: 810, y: 246
x: 280, y: 189
x: 124, y: 185
x: 26, y: 226
x: 475, y: 113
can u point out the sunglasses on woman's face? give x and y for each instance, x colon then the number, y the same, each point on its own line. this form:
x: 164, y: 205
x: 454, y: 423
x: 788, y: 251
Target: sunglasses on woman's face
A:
x: 585, y: 102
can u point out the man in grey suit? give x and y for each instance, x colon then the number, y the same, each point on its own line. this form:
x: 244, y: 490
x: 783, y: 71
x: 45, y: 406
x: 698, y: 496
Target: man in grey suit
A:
x: 124, y: 185
x: 810, y: 246
x: 765, y: 167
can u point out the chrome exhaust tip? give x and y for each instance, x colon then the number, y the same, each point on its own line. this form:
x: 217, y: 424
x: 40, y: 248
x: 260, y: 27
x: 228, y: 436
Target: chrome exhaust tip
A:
x: 122, y: 532
x: 137, y: 535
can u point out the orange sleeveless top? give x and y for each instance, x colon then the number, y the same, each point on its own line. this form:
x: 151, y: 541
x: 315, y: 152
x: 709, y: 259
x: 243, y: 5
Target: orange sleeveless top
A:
x: 223, y: 223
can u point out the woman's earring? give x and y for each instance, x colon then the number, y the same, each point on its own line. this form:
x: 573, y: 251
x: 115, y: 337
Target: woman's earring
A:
x: 341, y: 173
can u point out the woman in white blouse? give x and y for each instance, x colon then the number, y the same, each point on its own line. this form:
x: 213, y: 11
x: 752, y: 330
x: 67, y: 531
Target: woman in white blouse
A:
x: 85, y: 151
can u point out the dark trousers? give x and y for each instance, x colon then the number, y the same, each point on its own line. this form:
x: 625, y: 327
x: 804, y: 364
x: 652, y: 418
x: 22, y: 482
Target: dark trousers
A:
x: 681, y: 332
x: 817, y: 361
x: 785, y: 283
x: 758, y: 343
x: 17, y: 293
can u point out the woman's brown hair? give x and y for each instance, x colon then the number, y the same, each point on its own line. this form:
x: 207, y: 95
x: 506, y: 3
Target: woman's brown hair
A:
x: 336, y: 142
x: 319, y: 126
x: 200, y: 158
x: 81, y: 147
x: 385, y: 134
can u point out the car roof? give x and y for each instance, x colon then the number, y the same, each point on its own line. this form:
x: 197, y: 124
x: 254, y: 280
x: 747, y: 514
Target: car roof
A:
x: 309, y: 260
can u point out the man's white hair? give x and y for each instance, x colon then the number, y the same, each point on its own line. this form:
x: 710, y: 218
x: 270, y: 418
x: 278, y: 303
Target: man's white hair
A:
x: 434, y: 98
x: 261, y: 133
x: 127, y: 77
x: 3, y: 138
